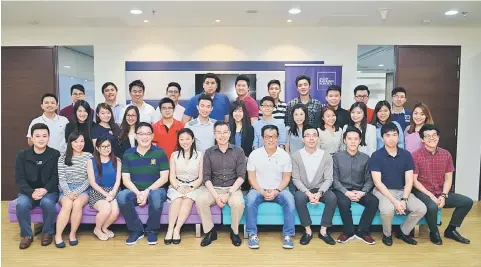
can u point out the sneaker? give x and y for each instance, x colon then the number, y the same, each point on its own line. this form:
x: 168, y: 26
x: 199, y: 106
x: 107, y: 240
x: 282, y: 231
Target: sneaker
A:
x: 344, y: 238
x: 366, y: 238
x: 253, y: 241
x: 133, y: 238
x: 152, y: 238
x: 288, y: 243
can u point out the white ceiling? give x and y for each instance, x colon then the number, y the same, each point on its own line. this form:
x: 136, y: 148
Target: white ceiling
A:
x: 233, y: 13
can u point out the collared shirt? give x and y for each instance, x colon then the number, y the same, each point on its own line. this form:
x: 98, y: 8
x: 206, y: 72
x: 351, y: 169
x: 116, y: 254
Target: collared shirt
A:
x: 251, y: 106
x: 178, y: 113
x: 412, y: 141
x: 380, y: 143
x: 145, y: 169
x: 223, y: 169
x: 311, y: 162
x: 117, y: 110
x: 351, y: 172
x: 403, y: 117
x: 269, y: 170
x: 146, y: 112
x: 220, y: 104
x: 56, y: 127
x: 166, y: 139
x: 431, y: 168
x: 203, y: 132
x: 279, y: 112
x: 392, y: 169
x: 330, y: 143
x: 258, y: 142
x: 313, y: 107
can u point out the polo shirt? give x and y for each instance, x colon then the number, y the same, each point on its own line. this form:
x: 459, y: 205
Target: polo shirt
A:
x: 392, y: 169
x: 279, y: 112
x: 144, y: 170
x: 431, y: 168
x: 251, y: 106
x: 67, y: 112
x: 269, y: 170
x: 56, y: 127
x: 178, y: 113
x: 203, y: 132
x: 258, y: 142
x: 403, y: 118
x: 220, y: 104
x: 167, y: 140
x: 146, y: 112
x: 117, y: 110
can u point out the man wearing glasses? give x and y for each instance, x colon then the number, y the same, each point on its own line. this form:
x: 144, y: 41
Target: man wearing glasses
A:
x: 165, y: 130
x: 145, y: 170
x: 267, y: 107
x: 77, y: 91
x: 202, y: 126
x: 399, y: 113
x: 361, y: 94
x: 433, y: 177
x: 173, y: 92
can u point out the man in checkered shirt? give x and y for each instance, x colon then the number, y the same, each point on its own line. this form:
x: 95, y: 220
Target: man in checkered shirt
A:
x: 303, y: 84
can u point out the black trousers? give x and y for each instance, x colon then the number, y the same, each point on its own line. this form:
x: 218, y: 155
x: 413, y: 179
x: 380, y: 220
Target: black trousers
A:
x: 369, y: 201
x: 462, y: 205
x: 329, y: 199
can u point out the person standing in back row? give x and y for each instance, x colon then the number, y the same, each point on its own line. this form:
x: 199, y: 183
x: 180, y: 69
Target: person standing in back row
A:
x: 333, y: 98
x: 77, y: 91
x: 361, y: 94
x: 303, y: 84
x: 137, y: 92
x: 173, y: 92
x: 242, y: 88
x: 274, y: 90
x: 110, y: 91
x: 203, y: 126
x: 400, y: 114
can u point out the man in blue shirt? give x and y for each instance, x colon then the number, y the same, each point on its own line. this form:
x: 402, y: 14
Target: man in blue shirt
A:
x: 267, y: 107
x: 392, y: 172
x: 220, y: 102
x: 400, y: 114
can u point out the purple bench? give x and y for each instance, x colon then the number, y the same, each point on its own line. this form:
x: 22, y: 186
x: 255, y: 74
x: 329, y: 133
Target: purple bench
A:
x: 89, y: 215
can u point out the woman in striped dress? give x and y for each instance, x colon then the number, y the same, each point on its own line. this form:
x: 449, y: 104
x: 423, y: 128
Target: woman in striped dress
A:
x: 104, y: 172
x: 74, y: 184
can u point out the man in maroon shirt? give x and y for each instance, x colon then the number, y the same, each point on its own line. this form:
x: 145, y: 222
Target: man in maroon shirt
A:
x: 242, y: 88
x: 433, y: 177
x: 77, y: 91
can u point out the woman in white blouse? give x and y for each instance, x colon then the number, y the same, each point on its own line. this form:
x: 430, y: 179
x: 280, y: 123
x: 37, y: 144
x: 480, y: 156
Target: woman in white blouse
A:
x: 368, y: 132
x: 330, y: 136
x: 127, y: 129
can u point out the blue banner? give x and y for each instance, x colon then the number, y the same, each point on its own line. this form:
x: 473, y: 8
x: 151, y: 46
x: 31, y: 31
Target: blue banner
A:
x: 322, y: 76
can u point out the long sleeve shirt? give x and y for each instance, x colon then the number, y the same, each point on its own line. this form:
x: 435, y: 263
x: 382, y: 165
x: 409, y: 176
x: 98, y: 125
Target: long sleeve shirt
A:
x: 351, y: 172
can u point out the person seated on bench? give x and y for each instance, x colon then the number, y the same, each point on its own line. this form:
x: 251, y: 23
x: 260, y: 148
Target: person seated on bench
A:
x: 74, y: 185
x: 145, y: 169
x: 224, y: 169
x: 312, y: 176
x: 269, y: 168
x: 353, y: 183
x: 433, y: 177
x: 392, y: 168
x: 185, y: 178
x: 37, y: 178
x: 104, y: 172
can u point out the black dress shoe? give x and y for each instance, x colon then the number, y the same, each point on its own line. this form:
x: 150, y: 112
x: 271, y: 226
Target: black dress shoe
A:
x: 387, y: 240
x: 236, y: 240
x: 167, y: 241
x: 305, y: 239
x: 209, y: 237
x: 456, y: 236
x: 327, y: 239
x: 406, y: 238
x: 436, y: 238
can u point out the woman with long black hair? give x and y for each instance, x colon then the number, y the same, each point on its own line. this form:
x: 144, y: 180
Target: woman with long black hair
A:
x: 298, y: 119
x: 358, y: 119
x: 242, y: 132
x: 129, y: 123
x: 106, y: 127
x: 82, y: 122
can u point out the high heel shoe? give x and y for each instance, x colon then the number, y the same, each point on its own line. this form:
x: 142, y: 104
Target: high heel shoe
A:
x: 168, y: 241
x: 176, y: 241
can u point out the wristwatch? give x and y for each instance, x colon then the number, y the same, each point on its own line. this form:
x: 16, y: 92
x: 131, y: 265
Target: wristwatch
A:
x: 444, y: 195
x: 278, y: 190
x: 404, y: 199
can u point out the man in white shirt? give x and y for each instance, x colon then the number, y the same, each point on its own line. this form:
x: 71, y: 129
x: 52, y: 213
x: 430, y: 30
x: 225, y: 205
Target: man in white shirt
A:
x: 203, y: 126
x: 173, y: 92
x: 269, y: 168
x: 56, y: 123
x: 110, y: 91
x: 137, y: 91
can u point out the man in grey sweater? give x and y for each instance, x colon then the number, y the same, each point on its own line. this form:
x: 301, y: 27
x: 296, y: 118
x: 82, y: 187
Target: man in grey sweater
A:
x: 312, y: 175
x: 353, y: 183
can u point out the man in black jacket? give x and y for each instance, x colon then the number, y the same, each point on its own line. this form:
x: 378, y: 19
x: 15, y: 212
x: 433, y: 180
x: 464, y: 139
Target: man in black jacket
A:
x: 36, y: 174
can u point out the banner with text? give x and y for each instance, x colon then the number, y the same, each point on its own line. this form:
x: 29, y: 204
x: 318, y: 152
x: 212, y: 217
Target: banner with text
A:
x: 322, y: 76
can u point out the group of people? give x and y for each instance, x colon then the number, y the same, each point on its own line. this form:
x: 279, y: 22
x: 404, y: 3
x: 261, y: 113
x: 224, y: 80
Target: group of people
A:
x: 208, y: 153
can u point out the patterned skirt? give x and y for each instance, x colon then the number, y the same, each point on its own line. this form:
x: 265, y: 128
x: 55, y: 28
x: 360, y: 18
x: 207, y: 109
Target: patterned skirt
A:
x: 95, y: 196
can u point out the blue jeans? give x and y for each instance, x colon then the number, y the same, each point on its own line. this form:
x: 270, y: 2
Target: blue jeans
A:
x: 26, y: 203
x: 128, y: 200
x: 285, y: 199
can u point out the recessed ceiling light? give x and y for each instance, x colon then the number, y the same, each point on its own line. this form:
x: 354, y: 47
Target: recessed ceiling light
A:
x: 67, y: 67
x: 294, y: 11
x: 136, y: 11
x: 251, y: 11
x: 451, y: 12
x: 289, y: 20
x: 426, y: 21
x: 217, y: 20
x: 380, y: 65
x: 146, y: 20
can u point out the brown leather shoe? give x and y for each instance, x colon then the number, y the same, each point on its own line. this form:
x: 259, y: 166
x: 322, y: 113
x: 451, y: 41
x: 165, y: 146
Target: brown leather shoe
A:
x: 25, y: 242
x: 46, y: 239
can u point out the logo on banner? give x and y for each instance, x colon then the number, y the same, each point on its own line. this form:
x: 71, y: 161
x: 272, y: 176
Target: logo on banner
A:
x: 325, y: 79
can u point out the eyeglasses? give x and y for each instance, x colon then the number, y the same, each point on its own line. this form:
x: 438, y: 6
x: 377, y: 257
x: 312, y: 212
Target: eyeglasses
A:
x: 271, y: 137
x: 78, y: 94
x: 144, y: 134
x: 131, y: 116
x: 433, y: 136
x: 362, y: 96
x: 106, y: 147
x: 268, y: 106
x: 222, y: 133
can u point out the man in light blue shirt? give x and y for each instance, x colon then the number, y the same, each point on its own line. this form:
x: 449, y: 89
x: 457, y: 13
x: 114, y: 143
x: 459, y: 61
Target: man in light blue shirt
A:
x: 267, y: 107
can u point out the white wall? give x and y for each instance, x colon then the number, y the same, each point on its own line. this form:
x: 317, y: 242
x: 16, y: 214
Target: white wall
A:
x: 376, y: 82
x: 114, y: 46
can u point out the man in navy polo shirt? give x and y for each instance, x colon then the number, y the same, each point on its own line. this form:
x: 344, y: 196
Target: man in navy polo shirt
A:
x: 220, y: 102
x: 392, y: 172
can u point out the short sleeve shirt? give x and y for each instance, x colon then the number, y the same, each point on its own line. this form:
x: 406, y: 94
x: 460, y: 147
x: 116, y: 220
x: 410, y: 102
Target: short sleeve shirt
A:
x: 392, y: 169
x: 220, y: 104
x: 269, y: 170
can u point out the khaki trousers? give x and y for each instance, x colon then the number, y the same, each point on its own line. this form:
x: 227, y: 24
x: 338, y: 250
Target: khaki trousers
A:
x: 416, y: 209
x: 205, y: 200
